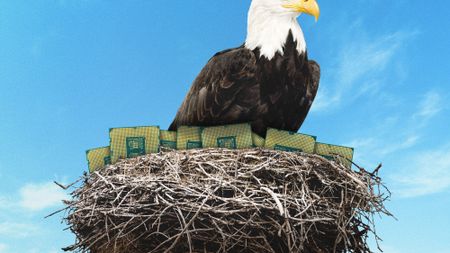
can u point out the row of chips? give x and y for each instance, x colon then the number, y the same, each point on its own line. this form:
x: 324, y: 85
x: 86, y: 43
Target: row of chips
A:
x: 136, y: 141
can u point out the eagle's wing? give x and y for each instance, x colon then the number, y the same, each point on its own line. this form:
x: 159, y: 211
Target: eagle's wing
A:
x: 314, y: 69
x: 224, y: 92
x: 311, y: 78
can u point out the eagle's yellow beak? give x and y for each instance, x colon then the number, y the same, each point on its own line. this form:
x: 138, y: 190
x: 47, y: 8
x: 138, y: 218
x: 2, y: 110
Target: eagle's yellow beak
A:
x: 305, y: 6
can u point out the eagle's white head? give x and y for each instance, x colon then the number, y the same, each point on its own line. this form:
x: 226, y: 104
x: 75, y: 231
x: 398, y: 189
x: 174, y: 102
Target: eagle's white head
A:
x: 269, y: 23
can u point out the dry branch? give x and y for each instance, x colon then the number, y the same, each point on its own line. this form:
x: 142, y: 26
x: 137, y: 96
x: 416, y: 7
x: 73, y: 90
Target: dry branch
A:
x: 218, y: 200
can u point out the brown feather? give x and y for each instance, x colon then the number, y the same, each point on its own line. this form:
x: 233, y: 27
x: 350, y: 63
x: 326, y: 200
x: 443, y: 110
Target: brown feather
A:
x: 237, y: 86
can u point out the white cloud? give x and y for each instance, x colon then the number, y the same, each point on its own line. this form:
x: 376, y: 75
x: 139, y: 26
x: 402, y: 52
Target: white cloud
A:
x: 390, y: 249
x: 380, y: 146
x: 358, y: 59
x: 425, y: 173
x: 395, y: 133
x: 430, y: 106
x: 38, y: 250
x: 19, y: 230
x: 5, y: 203
x: 3, y: 248
x: 401, y: 144
x: 360, y: 68
x: 36, y: 197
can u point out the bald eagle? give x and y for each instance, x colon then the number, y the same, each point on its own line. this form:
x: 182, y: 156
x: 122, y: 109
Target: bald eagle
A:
x: 268, y: 81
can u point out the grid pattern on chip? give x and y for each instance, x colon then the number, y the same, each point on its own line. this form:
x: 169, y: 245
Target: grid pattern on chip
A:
x: 238, y: 136
x: 187, y: 135
x: 118, y: 140
x: 289, y: 140
x: 98, y: 158
x: 168, y: 135
x: 258, y: 141
x: 168, y: 139
x: 329, y: 151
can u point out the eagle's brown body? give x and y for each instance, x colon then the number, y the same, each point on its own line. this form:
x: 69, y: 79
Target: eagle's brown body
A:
x: 238, y: 86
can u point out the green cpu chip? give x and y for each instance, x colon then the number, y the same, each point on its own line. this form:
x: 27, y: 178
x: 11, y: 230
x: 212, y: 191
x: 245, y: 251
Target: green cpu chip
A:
x: 168, y: 139
x: 189, y: 137
x: 258, y: 141
x: 98, y: 158
x: 329, y: 151
x: 289, y: 141
x: 238, y: 136
x: 131, y: 142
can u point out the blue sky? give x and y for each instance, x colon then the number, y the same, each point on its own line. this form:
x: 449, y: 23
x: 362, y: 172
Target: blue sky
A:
x: 71, y: 69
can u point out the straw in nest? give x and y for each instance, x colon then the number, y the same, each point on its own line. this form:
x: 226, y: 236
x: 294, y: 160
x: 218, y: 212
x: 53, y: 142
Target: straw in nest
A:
x: 219, y: 200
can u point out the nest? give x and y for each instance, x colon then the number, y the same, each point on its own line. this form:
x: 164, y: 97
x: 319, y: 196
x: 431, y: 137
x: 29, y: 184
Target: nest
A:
x: 218, y: 200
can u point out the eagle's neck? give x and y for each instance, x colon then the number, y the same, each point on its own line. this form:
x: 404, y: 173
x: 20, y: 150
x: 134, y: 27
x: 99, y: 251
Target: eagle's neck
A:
x: 268, y: 31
